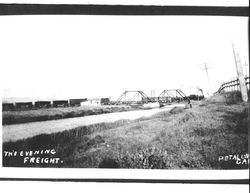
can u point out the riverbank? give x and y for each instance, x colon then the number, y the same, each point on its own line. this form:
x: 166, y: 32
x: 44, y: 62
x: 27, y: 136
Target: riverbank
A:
x: 197, y: 138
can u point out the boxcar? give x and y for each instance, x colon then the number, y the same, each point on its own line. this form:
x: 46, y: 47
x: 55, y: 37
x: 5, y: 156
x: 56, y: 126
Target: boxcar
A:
x: 24, y: 105
x: 42, y: 104
x: 76, y: 102
x: 8, y: 106
x: 60, y: 103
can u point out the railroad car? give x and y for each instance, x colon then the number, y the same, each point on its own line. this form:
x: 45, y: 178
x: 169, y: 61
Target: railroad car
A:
x: 23, y: 105
x: 8, y: 106
x: 42, y: 104
x: 76, y: 102
x: 60, y: 103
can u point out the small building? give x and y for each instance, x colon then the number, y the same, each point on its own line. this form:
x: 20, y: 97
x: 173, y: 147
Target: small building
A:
x: 92, y: 102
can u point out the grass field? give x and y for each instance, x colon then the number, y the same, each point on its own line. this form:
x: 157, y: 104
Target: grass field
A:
x: 44, y: 114
x: 179, y: 139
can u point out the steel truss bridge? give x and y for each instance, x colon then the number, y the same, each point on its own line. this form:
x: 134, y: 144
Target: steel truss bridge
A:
x: 130, y: 97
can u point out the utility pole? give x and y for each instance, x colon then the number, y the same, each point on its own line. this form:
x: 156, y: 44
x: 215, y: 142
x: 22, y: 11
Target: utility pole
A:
x: 206, y: 69
x: 239, y: 69
x: 246, y: 69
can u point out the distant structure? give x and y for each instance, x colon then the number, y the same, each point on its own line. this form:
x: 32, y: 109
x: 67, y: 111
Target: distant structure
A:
x: 91, y: 102
x: 139, y: 97
x: 133, y: 97
x: 172, y: 95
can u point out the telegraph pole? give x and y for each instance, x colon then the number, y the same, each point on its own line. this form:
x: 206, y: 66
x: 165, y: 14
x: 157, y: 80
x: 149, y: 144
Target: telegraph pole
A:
x: 239, y: 69
x: 206, y: 69
x: 246, y: 69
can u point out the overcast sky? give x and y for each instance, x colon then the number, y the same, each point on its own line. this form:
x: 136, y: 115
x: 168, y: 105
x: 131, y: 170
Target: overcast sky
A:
x: 92, y: 56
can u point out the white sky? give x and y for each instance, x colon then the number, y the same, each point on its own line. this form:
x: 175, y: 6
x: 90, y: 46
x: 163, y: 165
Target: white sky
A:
x: 92, y: 56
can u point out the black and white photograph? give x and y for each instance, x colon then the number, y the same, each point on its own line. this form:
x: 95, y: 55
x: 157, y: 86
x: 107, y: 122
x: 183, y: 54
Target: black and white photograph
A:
x: 168, y: 93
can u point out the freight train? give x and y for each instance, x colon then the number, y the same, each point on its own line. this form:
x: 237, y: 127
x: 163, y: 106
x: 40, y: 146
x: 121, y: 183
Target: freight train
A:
x: 43, y: 104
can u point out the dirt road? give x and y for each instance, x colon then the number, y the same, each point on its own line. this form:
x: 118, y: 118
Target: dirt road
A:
x: 26, y: 130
